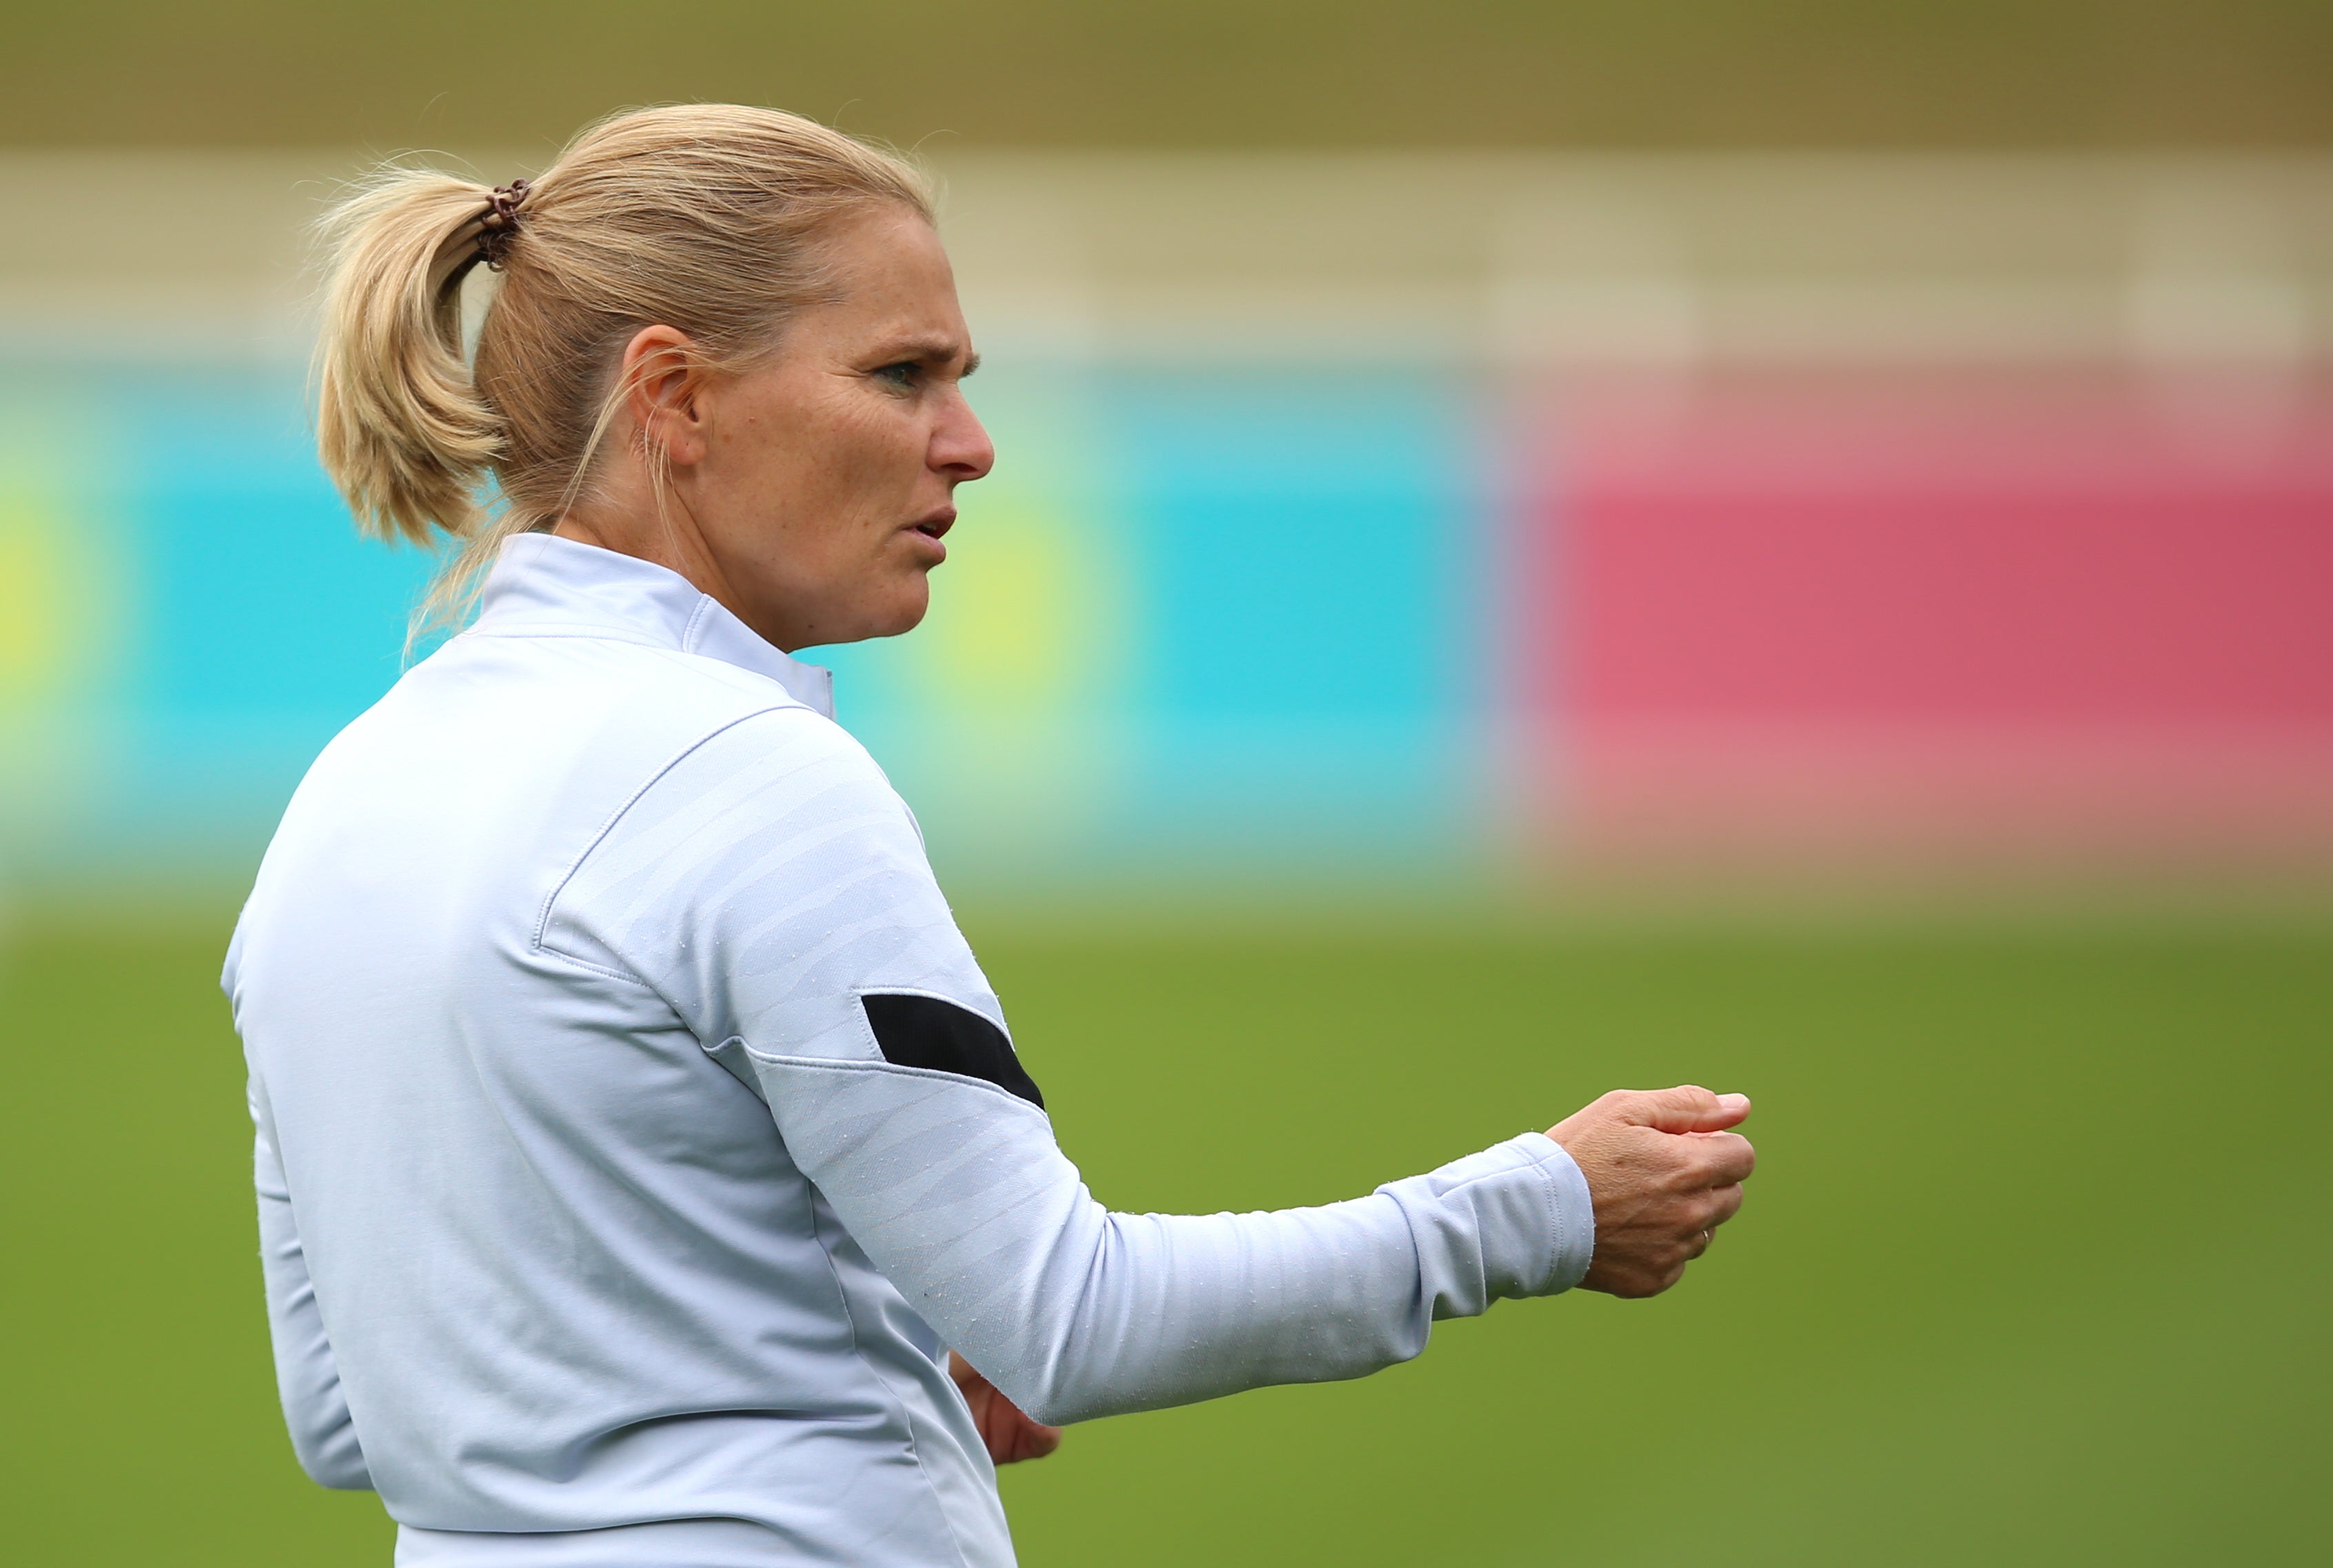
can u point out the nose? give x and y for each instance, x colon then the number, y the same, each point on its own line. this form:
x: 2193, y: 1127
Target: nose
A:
x: 960, y: 448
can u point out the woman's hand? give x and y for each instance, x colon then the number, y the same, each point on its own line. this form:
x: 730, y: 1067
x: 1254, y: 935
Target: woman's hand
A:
x: 1664, y: 1174
x: 1011, y: 1436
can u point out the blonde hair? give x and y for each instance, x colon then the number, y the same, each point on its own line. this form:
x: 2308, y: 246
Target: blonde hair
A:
x: 706, y: 217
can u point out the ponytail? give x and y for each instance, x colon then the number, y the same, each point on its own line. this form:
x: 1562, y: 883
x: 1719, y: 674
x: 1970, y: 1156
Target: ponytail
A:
x: 401, y: 426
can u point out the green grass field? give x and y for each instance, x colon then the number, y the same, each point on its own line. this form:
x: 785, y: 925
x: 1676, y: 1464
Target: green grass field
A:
x: 2034, y: 1270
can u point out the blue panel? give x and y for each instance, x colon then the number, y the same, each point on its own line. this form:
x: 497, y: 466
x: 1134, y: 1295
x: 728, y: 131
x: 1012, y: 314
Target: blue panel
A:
x: 1309, y: 554
x: 241, y: 622
x: 1297, y: 536
x: 260, y: 598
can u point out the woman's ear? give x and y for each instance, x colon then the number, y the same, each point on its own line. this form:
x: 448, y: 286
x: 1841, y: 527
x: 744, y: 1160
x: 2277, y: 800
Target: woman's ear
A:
x: 665, y: 383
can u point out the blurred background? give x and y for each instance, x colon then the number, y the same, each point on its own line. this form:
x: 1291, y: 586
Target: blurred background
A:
x: 1782, y: 545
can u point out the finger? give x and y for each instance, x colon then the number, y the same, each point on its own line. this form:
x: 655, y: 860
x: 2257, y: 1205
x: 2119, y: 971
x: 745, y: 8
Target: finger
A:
x: 1688, y: 1108
x: 1725, y: 1202
x: 1718, y: 1159
x: 1027, y: 1440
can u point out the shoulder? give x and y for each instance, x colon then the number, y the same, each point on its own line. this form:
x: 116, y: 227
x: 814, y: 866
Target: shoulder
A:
x: 771, y: 845
x: 776, y: 798
x: 773, y: 752
x: 785, y: 782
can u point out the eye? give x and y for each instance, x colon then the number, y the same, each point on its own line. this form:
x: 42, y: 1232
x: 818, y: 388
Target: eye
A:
x: 903, y: 375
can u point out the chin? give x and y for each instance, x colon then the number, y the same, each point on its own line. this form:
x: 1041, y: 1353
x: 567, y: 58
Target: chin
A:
x: 883, y: 609
x: 905, y: 611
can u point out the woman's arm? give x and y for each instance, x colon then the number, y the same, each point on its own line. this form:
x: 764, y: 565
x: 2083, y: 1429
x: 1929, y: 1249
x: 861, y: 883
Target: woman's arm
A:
x: 774, y: 888
x: 959, y: 1194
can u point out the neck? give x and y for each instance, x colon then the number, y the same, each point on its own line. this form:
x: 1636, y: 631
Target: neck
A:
x: 666, y: 537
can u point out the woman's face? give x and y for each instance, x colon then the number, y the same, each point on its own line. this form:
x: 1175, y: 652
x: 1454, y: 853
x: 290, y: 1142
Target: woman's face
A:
x: 810, y: 493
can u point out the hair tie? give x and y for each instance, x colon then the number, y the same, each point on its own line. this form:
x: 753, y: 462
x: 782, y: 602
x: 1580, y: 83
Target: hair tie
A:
x: 501, y: 221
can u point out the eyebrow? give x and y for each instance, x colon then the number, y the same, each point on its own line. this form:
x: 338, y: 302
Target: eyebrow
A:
x: 936, y: 349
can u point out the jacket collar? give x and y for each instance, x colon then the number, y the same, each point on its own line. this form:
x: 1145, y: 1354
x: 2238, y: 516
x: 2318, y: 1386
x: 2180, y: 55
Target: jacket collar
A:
x: 545, y: 586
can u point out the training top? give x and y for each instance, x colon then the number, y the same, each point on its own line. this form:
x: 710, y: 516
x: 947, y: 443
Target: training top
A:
x: 635, y: 1128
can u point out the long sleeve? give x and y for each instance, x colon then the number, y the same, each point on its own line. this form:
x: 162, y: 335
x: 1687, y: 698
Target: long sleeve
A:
x: 960, y: 1195
x: 774, y: 889
x: 323, y: 1436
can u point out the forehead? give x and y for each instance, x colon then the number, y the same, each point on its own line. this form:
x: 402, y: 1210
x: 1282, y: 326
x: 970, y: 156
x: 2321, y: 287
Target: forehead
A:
x: 888, y: 266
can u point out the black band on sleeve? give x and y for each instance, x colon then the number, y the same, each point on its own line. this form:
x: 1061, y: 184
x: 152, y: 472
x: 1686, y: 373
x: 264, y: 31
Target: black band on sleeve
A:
x: 917, y: 1031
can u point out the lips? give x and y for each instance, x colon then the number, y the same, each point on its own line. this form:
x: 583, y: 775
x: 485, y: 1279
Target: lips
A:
x: 929, y: 530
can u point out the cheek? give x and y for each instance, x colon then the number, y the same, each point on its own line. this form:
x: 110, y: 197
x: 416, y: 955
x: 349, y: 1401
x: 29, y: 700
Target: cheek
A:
x: 878, y: 477
x: 883, y: 449
x: 838, y: 477
x: 777, y: 475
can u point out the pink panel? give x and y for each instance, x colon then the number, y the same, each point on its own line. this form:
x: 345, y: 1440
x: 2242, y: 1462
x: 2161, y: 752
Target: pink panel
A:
x: 2017, y: 610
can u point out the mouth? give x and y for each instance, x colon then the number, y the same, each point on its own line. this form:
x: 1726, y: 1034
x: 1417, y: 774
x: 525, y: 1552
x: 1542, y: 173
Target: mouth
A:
x: 931, y: 552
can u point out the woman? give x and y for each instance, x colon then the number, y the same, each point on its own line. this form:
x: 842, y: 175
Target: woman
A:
x: 635, y: 1130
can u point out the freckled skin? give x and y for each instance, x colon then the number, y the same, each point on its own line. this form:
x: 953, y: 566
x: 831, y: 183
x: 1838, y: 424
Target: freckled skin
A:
x: 807, y: 493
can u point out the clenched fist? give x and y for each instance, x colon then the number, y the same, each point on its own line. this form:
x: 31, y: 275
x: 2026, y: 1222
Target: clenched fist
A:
x: 1663, y: 1173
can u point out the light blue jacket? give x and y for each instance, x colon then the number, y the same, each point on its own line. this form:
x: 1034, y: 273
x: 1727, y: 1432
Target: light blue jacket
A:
x: 635, y: 1128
